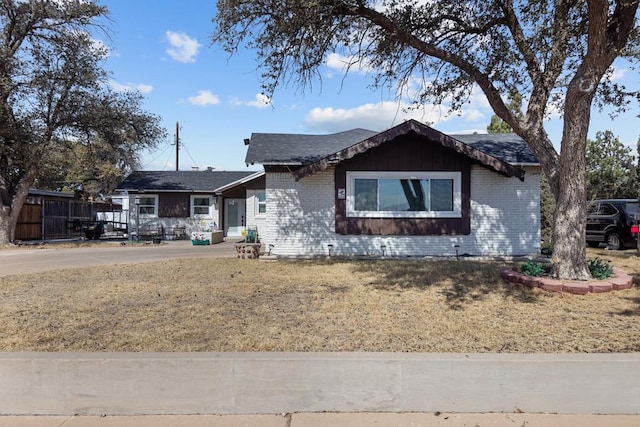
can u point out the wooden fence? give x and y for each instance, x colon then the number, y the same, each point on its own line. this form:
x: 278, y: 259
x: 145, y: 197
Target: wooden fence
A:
x: 56, y: 219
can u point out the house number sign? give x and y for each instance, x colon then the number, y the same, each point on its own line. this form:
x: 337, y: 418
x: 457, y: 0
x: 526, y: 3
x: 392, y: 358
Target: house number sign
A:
x: 342, y: 193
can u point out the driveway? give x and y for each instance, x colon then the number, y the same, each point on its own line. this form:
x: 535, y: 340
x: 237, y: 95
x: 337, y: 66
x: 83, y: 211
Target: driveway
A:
x: 35, y: 259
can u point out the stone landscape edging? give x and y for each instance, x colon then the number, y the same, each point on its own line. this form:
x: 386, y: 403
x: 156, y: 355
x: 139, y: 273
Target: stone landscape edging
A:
x: 620, y: 280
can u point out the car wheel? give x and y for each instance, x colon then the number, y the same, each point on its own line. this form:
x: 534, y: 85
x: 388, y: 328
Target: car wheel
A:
x: 593, y: 244
x: 613, y: 241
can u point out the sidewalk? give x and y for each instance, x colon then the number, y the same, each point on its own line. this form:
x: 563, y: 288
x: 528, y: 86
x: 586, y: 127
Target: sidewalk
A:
x: 330, y: 419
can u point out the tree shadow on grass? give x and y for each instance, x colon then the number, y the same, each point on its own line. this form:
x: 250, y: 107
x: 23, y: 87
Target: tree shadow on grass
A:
x: 460, y: 282
x: 630, y: 312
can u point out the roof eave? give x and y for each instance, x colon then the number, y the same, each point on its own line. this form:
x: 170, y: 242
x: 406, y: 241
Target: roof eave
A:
x: 240, y: 181
x: 473, y: 153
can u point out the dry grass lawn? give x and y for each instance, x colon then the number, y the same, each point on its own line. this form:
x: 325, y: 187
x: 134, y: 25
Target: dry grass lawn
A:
x: 245, y: 305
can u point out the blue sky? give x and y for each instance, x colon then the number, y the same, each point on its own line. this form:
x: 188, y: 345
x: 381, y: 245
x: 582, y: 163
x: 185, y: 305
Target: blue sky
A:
x: 162, y: 48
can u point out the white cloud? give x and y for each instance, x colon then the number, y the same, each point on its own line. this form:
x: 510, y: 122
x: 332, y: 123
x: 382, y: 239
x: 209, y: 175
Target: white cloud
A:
x: 182, y: 48
x: 377, y: 116
x: 616, y: 74
x: 120, y: 87
x: 342, y: 63
x: 260, y: 101
x: 383, y: 115
x: 204, y: 98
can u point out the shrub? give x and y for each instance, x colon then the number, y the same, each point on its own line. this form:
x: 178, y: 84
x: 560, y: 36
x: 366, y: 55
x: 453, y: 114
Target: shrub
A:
x: 600, y: 269
x: 532, y: 268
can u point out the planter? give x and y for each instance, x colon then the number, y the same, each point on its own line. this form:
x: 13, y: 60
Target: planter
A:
x: 200, y: 242
x: 201, y: 237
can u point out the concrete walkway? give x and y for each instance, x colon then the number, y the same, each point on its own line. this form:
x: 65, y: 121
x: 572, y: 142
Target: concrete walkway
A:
x: 331, y: 419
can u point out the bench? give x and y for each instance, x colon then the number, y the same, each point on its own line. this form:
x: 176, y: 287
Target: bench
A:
x: 149, y: 233
x: 175, y: 233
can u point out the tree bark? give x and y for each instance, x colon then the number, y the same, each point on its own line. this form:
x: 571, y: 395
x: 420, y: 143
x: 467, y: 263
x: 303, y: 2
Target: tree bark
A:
x: 9, y: 213
x: 569, y: 247
x: 5, y: 226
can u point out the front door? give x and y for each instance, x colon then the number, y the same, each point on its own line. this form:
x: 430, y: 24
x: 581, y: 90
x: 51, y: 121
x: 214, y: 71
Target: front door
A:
x: 234, y: 216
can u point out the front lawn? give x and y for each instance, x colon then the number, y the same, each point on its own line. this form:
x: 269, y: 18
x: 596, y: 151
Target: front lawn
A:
x: 246, y: 305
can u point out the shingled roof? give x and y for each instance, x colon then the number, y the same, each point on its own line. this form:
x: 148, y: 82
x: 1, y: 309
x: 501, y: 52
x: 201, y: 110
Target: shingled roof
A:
x: 180, y: 181
x: 500, y: 152
x: 508, y: 147
x: 297, y: 149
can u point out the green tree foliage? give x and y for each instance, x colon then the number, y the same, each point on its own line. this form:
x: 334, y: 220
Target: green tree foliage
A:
x: 555, y: 53
x: 611, y: 172
x: 54, y: 99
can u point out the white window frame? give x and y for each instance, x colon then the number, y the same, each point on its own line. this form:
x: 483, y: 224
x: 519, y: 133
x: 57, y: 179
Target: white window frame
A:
x: 139, y: 206
x: 457, y: 194
x: 259, y: 203
x: 192, y: 205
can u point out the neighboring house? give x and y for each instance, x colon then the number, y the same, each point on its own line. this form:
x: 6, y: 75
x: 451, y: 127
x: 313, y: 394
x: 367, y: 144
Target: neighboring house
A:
x: 186, y: 201
x: 407, y: 191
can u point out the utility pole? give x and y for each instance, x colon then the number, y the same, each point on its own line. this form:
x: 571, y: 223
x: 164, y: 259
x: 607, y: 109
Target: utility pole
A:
x: 177, y: 145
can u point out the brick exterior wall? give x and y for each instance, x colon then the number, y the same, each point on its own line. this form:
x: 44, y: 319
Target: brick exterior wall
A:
x: 505, y: 220
x: 253, y: 218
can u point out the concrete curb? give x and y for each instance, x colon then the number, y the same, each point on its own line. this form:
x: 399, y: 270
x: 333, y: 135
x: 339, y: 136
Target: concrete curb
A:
x: 328, y: 419
x: 276, y: 383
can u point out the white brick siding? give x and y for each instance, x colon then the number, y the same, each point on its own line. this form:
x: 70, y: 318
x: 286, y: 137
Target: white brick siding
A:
x: 253, y: 218
x: 189, y: 223
x: 505, y: 213
x: 505, y: 219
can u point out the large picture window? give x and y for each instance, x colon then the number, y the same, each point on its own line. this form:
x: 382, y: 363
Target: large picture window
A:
x: 404, y: 194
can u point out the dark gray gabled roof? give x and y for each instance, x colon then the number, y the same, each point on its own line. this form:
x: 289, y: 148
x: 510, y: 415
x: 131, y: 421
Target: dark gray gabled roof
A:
x: 508, y: 147
x: 180, y: 181
x: 296, y: 149
x: 500, y: 152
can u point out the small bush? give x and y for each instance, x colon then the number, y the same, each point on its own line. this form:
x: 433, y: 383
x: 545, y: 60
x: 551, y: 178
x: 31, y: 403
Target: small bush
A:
x: 532, y: 268
x: 600, y: 269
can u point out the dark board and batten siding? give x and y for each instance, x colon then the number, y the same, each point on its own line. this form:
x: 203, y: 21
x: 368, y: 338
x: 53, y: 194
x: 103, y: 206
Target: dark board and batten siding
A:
x: 174, y: 205
x: 408, y: 152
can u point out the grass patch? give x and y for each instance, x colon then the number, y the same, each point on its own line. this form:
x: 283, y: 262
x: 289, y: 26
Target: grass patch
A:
x: 244, y: 305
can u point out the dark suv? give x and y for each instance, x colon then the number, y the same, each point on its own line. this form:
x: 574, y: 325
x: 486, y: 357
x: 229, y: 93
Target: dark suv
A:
x: 613, y: 222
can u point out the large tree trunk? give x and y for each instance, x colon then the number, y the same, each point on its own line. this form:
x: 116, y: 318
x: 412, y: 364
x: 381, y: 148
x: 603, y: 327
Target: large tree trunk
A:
x: 6, y: 230
x: 10, y: 212
x: 569, y: 245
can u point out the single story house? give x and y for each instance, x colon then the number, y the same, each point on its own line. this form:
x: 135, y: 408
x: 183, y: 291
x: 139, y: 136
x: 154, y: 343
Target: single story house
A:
x: 182, y: 202
x: 406, y: 191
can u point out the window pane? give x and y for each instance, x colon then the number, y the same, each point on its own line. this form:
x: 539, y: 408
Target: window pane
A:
x: 391, y: 196
x: 147, y: 210
x: 366, y: 194
x: 401, y: 195
x: 201, y: 201
x: 201, y: 210
x: 262, y: 202
x: 442, y: 195
x: 149, y: 201
x: 608, y: 209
